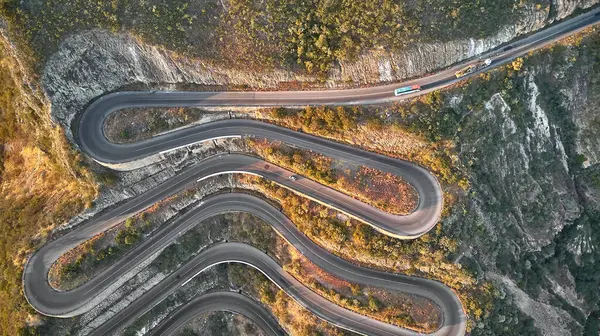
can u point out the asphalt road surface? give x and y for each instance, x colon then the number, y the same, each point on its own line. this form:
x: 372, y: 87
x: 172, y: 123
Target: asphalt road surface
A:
x: 416, y: 224
x: 70, y: 303
x: 453, y: 316
x: 91, y: 120
x: 219, y: 301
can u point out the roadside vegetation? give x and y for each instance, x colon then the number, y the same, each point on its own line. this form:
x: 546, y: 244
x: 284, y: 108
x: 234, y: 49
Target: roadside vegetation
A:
x: 412, y: 132
x: 392, y: 307
x: 84, y: 262
x: 87, y: 260
x: 428, y: 256
x: 421, y: 131
x: 135, y: 124
x: 221, y: 323
x: 385, y: 191
x: 294, y: 318
x: 212, y: 279
x: 396, y: 308
x: 310, y: 36
x: 387, y: 306
x: 411, y: 312
x: 42, y: 184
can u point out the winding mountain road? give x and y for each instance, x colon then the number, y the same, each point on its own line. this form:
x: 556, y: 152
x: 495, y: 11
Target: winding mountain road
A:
x: 49, y: 301
x: 453, y: 320
x: 95, y: 144
x: 219, y: 301
x: 416, y: 224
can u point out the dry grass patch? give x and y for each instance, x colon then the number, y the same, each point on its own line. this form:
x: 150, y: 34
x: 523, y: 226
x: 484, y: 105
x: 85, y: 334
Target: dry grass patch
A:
x: 385, y: 191
x: 42, y: 183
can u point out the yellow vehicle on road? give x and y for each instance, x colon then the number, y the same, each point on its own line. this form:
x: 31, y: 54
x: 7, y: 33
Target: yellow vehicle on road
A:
x: 472, y: 68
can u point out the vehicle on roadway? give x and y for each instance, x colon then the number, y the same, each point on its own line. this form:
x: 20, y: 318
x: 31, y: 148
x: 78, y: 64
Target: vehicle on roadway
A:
x: 293, y: 177
x: 47, y: 300
x: 407, y: 89
x: 472, y: 68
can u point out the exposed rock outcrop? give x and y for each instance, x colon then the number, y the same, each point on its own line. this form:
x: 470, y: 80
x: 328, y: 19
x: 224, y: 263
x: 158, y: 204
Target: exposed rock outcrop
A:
x: 530, y: 224
x: 96, y: 62
x: 524, y: 192
x: 515, y: 174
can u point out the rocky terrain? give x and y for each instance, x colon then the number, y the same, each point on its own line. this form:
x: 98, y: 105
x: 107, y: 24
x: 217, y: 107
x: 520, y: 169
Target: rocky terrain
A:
x: 530, y: 224
x: 523, y: 142
x: 93, y: 63
x: 528, y: 139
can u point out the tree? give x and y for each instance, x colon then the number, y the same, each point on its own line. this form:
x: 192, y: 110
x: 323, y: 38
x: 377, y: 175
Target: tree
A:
x: 131, y: 238
x: 120, y: 237
x: 517, y: 64
x: 355, y: 288
x: 374, y: 304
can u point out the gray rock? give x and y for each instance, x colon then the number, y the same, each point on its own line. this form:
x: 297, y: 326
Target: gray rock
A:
x: 93, y: 63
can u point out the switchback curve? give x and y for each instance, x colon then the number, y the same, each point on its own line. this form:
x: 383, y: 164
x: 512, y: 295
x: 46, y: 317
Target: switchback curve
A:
x: 363, y: 96
x: 251, y: 256
x: 425, y: 216
x: 219, y: 301
x: 48, y: 300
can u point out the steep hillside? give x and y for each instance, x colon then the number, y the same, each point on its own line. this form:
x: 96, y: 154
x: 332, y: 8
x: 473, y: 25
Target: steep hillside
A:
x: 310, y: 36
x: 88, y: 63
x: 42, y: 183
x: 529, y: 139
x: 527, y: 136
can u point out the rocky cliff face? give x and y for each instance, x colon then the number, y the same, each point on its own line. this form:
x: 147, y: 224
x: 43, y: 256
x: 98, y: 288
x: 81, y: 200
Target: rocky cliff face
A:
x: 522, y: 170
x: 423, y: 58
x: 524, y: 196
x: 94, y: 63
x: 528, y: 203
x: 531, y: 224
x: 564, y: 8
